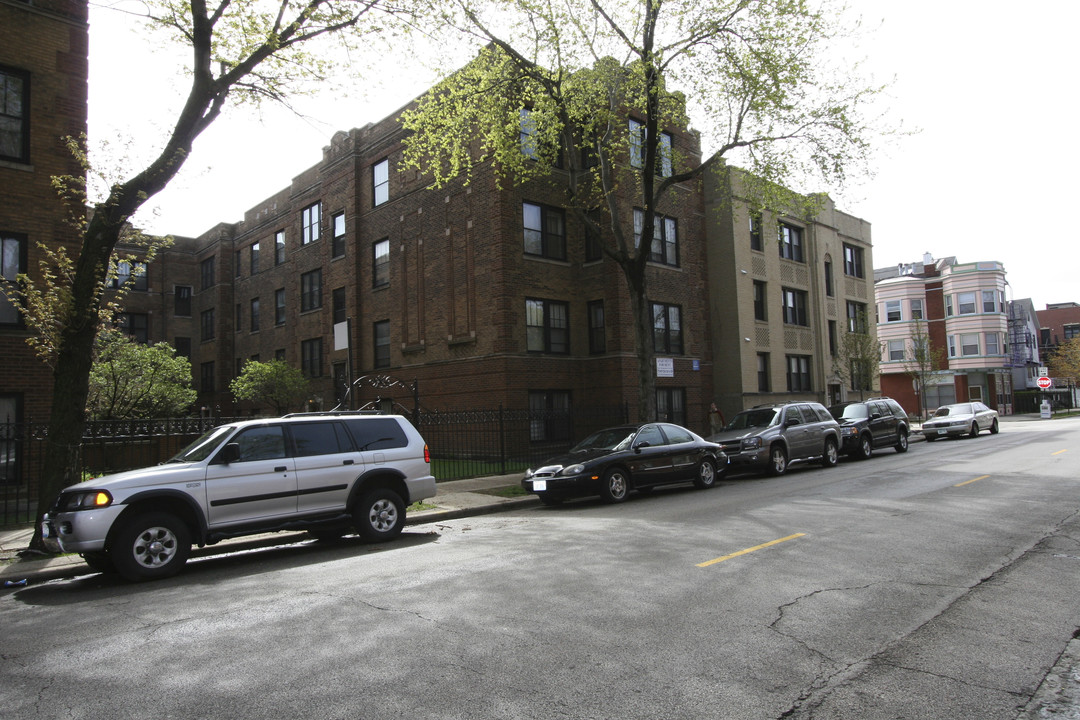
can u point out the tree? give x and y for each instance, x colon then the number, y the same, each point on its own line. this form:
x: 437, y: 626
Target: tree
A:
x: 131, y: 380
x: 858, y: 355
x: 555, y: 84
x: 923, y: 360
x: 273, y: 383
x: 241, y: 51
x: 1065, y: 362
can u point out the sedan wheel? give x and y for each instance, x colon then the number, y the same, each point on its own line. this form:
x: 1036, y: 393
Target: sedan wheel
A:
x: 616, y: 486
x: 994, y: 427
x: 901, y: 441
x: 974, y: 429
x: 777, y: 460
x: 706, y: 475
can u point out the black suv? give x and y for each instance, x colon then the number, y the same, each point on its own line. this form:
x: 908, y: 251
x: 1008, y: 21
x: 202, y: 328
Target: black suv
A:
x: 872, y: 423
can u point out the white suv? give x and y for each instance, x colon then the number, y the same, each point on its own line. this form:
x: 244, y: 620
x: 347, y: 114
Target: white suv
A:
x: 325, y: 473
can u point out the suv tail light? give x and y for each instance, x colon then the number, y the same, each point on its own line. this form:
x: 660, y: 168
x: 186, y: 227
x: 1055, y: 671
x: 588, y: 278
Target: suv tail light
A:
x: 427, y: 454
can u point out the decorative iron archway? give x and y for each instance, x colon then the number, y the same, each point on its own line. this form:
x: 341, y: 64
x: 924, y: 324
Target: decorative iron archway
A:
x: 382, y: 382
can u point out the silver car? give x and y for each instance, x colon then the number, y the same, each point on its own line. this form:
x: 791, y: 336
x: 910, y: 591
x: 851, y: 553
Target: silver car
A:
x: 961, y: 419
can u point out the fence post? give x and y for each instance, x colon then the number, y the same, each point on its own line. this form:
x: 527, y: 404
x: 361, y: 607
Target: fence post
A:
x: 502, y: 441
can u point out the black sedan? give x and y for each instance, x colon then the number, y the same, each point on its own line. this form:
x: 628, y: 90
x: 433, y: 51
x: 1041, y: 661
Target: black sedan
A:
x: 610, y: 463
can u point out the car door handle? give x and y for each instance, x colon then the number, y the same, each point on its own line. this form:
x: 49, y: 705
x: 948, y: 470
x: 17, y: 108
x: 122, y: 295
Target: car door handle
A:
x: 347, y: 462
x: 280, y: 468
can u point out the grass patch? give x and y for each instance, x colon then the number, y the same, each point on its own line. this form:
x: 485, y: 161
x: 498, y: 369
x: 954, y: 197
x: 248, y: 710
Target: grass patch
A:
x: 420, y: 505
x: 506, y: 491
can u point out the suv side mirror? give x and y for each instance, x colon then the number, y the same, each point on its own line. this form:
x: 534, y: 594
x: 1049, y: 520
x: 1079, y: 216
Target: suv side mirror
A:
x: 229, y: 454
x: 790, y: 422
x: 875, y: 416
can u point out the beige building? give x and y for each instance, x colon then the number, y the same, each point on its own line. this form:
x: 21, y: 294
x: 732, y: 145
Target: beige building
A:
x: 782, y: 291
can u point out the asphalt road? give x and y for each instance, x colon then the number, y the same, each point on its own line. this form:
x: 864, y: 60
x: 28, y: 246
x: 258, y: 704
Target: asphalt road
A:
x: 941, y: 583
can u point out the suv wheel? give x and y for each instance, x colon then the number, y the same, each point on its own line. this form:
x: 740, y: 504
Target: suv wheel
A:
x: 866, y: 447
x: 901, y: 440
x: 706, y: 474
x: 151, y: 546
x: 831, y: 455
x: 616, y: 486
x: 777, y: 460
x: 380, y: 515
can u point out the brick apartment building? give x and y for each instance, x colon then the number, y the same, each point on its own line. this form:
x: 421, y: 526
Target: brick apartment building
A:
x: 961, y: 309
x: 1058, y: 324
x: 43, y: 98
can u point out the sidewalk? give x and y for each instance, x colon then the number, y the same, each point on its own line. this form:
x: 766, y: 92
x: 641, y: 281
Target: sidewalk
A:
x: 453, y: 498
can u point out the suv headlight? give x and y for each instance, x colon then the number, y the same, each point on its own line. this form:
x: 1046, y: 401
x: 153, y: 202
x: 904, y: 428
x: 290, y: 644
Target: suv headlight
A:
x: 85, y: 500
x: 572, y: 469
x: 751, y: 443
x: 848, y: 430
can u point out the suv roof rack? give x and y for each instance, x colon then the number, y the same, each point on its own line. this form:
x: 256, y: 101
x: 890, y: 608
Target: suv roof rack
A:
x: 323, y: 413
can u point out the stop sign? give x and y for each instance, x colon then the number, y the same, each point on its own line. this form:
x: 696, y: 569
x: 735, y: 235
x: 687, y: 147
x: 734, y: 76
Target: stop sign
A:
x: 1044, y: 382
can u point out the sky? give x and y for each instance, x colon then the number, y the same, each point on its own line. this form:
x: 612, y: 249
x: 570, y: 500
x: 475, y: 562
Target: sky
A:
x: 987, y: 87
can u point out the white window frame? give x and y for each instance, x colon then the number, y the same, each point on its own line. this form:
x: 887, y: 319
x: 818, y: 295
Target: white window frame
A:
x: 968, y: 348
x: 893, y: 307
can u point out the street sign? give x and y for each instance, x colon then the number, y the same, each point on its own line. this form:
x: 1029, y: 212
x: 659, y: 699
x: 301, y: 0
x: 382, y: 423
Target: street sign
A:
x: 1044, y: 382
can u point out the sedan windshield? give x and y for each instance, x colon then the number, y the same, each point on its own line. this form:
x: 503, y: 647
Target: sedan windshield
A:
x: 611, y: 439
x: 953, y: 410
x: 761, y: 417
x: 203, y: 447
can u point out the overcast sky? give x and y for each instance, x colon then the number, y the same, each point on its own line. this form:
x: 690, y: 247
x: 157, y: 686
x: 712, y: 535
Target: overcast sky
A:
x: 990, y: 85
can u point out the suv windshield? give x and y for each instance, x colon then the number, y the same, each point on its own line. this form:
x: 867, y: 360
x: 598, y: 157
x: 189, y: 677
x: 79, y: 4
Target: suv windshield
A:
x: 203, y: 447
x: 760, y: 417
x: 612, y: 439
x: 855, y: 411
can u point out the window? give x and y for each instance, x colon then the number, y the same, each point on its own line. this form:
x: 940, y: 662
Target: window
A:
x: 637, y: 144
x: 206, y: 325
x: 381, y: 336
x: 794, y: 303
x: 755, y: 232
x: 993, y: 347
x: 593, y: 243
x: 896, y: 350
x: 667, y: 329
x: 183, y: 346
x: 338, y: 244
x: 279, y: 247
x: 798, y: 373
x: 665, y: 243
x: 279, y: 354
x: 966, y: 303
x: 254, y: 257
x: 664, y: 166
x: 856, y: 317
x: 206, y: 377
x: 380, y: 181
x: 853, y: 261
x: 916, y: 305
x: 545, y: 231
x: 182, y: 300
x: 125, y: 276
x: 893, y: 311
x: 597, y: 329
x: 527, y: 134
x: 311, y: 290
x: 206, y: 273
x: 136, y: 325
x: 311, y: 357
x: 1070, y: 331
x: 948, y: 306
x: 254, y: 314
x: 337, y: 304
x: 952, y: 346
x: 14, y: 115
x: 671, y: 405
x: 380, y: 265
x: 760, y: 312
x: 829, y: 292
x: 279, y: 306
x: 309, y: 224
x: 969, y: 344
x: 549, y: 414
x: 989, y: 301
x: 547, y: 326
x: 763, y: 372
x: 12, y: 262
x: 832, y: 338
x: 791, y: 247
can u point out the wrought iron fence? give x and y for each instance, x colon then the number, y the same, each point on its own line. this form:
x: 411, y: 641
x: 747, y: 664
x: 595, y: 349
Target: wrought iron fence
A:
x: 463, y: 444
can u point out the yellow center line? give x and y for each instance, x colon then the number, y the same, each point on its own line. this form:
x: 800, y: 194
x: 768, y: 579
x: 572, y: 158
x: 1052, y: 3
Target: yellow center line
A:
x: 750, y: 550
x: 968, y: 482
x: 1059, y: 452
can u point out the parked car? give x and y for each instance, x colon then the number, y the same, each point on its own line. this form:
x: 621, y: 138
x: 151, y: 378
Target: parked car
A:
x: 326, y: 473
x: 869, y: 424
x: 771, y: 437
x: 960, y: 419
x: 612, y: 462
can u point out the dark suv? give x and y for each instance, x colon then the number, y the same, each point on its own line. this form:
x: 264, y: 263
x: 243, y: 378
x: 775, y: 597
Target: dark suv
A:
x: 872, y: 423
x: 770, y: 437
